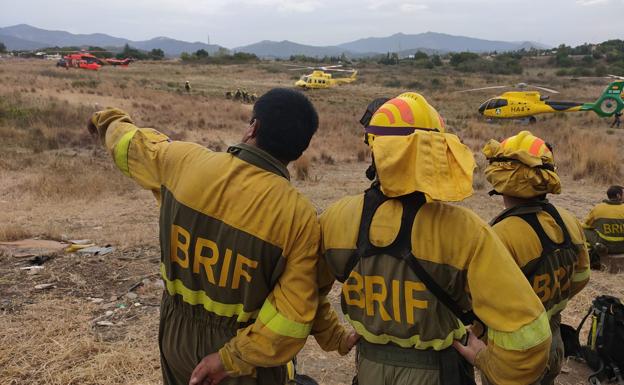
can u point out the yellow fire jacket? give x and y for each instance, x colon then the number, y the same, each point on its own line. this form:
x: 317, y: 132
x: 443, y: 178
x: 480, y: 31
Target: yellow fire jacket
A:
x: 236, y: 238
x: 607, y: 219
x: 386, y: 303
x: 561, y: 276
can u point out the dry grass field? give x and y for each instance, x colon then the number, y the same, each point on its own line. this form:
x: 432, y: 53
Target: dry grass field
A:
x: 57, y: 183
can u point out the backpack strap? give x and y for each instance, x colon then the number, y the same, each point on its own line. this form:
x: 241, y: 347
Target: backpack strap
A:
x: 528, y: 213
x: 401, y: 247
x: 373, y: 199
x: 466, y: 317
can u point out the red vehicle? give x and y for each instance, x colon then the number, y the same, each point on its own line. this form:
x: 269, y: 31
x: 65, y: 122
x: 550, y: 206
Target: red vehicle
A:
x: 88, y: 61
x: 80, y: 60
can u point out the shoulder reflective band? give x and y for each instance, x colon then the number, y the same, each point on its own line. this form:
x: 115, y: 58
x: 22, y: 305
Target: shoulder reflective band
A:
x: 199, y: 297
x: 121, y: 151
x: 528, y: 336
x: 281, y: 325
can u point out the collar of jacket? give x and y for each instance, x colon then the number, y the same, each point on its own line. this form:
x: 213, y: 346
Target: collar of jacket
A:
x: 259, y: 158
x: 610, y: 202
x: 527, y: 208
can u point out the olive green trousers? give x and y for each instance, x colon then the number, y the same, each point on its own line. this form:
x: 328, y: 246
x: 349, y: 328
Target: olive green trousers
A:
x: 188, y: 333
x: 391, y: 365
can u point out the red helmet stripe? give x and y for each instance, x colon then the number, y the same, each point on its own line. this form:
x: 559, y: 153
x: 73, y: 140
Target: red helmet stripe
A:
x: 404, y: 108
x: 535, y: 147
x: 388, y: 113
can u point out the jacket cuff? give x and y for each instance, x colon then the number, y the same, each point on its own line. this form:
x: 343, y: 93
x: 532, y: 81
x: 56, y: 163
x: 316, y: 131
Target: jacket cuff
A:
x: 234, y: 366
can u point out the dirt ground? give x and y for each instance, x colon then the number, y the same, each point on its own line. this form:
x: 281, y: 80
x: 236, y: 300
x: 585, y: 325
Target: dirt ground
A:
x: 98, y: 323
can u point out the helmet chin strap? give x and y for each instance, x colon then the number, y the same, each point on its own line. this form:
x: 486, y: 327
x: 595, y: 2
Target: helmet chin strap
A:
x: 371, y: 172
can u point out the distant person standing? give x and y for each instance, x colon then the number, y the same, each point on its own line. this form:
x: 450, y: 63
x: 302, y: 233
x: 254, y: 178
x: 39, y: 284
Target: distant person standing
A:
x: 617, y: 120
x: 187, y: 87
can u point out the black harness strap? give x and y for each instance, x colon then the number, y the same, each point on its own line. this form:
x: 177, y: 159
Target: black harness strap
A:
x: 401, y: 247
x: 548, y: 245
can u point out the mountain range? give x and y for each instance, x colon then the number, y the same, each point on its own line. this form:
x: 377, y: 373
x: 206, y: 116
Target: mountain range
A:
x: 26, y: 37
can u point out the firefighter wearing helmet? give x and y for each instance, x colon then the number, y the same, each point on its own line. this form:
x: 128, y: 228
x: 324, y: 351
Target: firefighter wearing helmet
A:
x: 547, y: 242
x: 417, y: 270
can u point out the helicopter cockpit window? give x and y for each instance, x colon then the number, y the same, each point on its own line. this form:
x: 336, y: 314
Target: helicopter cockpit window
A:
x: 497, y: 103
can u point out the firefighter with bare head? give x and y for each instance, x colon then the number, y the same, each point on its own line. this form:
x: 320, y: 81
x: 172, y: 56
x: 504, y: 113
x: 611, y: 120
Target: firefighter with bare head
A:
x: 238, y: 244
x: 604, y: 226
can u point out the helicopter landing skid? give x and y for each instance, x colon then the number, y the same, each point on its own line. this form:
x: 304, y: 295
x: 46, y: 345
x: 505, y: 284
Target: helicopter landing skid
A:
x: 525, y: 120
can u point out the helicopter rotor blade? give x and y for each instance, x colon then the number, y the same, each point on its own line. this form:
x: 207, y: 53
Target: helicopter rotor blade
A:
x: 544, y: 89
x: 299, y: 67
x: 484, y: 88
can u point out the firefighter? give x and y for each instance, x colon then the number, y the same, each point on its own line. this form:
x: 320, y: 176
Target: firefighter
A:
x: 617, y: 120
x: 604, y: 226
x: 238, y: 243
x: 546, y: 242
x: 412, y: 264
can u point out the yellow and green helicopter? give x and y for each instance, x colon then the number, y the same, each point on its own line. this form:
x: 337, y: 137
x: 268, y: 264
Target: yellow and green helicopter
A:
x: 527, y: 104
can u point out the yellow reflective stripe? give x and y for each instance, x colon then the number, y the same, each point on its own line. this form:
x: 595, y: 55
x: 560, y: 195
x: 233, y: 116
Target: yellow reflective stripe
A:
x: 581, y: 275
x: 121, y: 151
x: 610, y: 239
x: 414, y: 341
x: 199, y: 297
x: 290, y: 368
x: 557, y: 308
x: 281, y: 325
x: 528, y: 336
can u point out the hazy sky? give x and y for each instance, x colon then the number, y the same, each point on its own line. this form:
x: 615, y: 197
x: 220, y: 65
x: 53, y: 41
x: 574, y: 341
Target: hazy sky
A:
x: 324, y: 22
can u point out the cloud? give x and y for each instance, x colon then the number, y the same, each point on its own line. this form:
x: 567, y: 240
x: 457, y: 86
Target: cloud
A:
x: 396, y: 6
x: 409, y: 7
x: 591, y: 2
x: 287, y: 6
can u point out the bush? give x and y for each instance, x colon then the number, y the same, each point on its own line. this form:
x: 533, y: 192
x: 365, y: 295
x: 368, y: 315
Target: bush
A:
x: 436, y: 83
x: 600, y: 71
x: 415, y: 86
x: 395, y: 83
x: 463, y: 57
x: 222, y: 57
x: 93, y: 83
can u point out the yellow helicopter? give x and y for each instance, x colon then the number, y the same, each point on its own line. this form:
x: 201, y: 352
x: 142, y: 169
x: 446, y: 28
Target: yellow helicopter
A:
x: 527, y: 104
x: 321, y: 78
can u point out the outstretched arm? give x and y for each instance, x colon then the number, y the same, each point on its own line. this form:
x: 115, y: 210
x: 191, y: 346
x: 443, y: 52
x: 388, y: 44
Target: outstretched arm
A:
x: 138, y: 152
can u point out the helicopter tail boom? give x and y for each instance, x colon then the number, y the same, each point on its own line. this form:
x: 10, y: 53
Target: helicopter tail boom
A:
x: 610, y: 102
